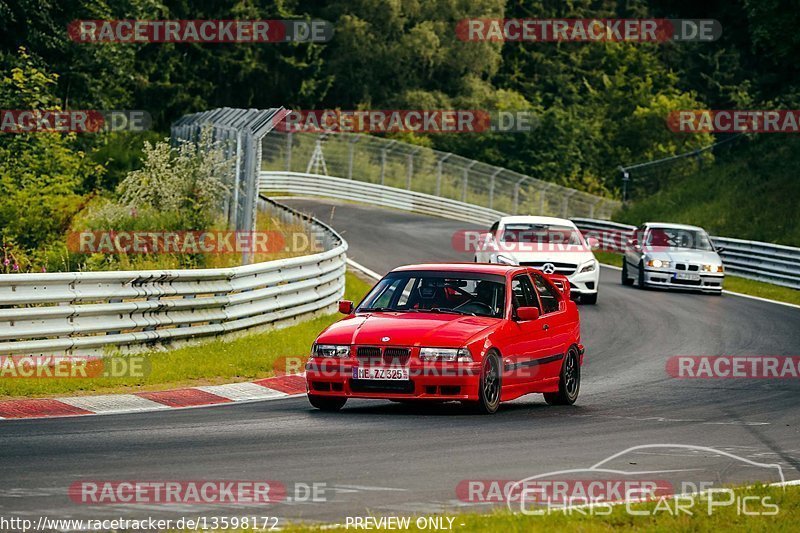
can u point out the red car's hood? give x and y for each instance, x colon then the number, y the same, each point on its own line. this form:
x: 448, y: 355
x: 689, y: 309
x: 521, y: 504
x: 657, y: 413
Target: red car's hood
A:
x: 406, y: 329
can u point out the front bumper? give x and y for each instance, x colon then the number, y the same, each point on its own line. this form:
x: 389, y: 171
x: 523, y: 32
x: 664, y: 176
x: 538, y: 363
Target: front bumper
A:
x: 431, y: 381
x: 708, y: 282
x: 585, y: 283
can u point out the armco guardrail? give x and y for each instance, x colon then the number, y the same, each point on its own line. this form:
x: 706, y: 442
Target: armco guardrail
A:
x: 761, y: 261
x: 771, y: 263
x: 86, y: 313
x: 346, y: 189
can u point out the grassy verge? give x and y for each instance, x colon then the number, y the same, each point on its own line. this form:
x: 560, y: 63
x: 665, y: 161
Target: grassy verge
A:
x: 750, y: 192
x: 243, y: 359
x: 659, y: 517
x: 732, y: 283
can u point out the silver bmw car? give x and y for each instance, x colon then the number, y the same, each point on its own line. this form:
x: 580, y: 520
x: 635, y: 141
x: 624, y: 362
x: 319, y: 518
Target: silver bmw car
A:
x: 673, y: 256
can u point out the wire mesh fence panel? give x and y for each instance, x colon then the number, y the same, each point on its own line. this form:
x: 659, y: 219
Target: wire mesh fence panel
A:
x: 238, y: 133
x: 420, y: 169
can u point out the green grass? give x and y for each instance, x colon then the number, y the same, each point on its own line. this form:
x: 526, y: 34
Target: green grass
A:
x: 750, y: 192
x: 732, y: 283
x: 242, y: 359
x: 761, y: 289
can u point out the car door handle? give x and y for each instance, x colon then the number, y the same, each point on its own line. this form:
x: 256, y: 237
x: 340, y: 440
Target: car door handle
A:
x: 546, y: 327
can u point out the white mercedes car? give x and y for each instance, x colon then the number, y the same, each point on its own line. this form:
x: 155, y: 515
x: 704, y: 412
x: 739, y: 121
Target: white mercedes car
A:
x: 673, y: 256
x: 552, y: 245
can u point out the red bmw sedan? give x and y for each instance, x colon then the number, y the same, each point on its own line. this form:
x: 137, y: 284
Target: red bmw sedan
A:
x: 475, y: 333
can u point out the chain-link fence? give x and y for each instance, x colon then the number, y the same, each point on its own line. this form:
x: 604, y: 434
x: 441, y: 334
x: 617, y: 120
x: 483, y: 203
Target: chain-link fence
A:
x: 238, y: 132
x: 415, y: 168
x: 645, y: 179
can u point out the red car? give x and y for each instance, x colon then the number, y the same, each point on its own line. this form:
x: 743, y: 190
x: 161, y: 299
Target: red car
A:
x: 475, y: 333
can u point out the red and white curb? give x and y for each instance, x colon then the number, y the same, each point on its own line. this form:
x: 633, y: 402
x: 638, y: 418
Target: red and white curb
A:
x: 263, y: 389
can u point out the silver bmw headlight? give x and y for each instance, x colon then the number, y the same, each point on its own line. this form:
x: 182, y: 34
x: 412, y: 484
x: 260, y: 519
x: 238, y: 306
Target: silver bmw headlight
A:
x: 658, y: 263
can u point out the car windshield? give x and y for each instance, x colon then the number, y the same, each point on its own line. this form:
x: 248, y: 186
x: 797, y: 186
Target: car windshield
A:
x: 438, y: 292
x: 674, y: 238
x: 540, y: 233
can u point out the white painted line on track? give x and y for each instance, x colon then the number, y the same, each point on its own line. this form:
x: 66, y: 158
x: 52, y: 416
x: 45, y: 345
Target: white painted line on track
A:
x: 358, y: 266
x: 749, y: 297
x: 113, y: 403
x: 241, y: 391
x: 739, y: 294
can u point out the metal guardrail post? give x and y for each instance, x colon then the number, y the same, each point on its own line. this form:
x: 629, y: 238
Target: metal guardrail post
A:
x: 565, y: 204
x: 289, y: 151
x: 466, y: 181
x: 440, y: 161
x: 350, y: 149
x: 491, y: 186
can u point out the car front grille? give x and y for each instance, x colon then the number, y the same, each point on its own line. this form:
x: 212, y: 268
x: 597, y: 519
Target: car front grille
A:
x: 565, y: 269
x: 374, y: 355
x: 690, y: 268
x: 396, y: 356
x: 369, y: 354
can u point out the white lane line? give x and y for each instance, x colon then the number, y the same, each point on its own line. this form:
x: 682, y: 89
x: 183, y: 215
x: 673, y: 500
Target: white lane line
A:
x: 113, y: 403
x: 739, y: 294
x: 368, y: 488
x: 365, y: 270
x: 238, y: 392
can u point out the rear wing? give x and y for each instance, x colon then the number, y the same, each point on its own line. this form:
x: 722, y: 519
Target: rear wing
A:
x: 561, y: 283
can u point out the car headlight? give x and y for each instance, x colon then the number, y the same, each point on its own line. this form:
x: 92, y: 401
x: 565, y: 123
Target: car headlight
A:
x: 505, y: 260
x: 445, y: 354
x: 658, y: 263
x: 713, y: 268
x: 331, y: 350
x: 590, y: 267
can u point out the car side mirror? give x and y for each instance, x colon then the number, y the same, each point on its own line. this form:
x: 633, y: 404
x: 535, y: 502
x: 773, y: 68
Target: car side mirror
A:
x: 345, y: 307
x: 593, y: 243
x: 719, y: 249
x: 527, y: 313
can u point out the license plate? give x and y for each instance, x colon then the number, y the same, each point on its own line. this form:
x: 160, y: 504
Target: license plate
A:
x: 687, y: 276
x: 382, y: 374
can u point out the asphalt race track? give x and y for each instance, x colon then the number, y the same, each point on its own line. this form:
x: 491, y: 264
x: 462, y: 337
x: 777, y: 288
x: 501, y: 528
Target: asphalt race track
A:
x: 386, y: 458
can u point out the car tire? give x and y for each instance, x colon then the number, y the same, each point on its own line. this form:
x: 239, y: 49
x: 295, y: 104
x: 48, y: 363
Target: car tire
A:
x: 325, y: 403
x: 589, y: 299
x: 489, y: 392
x: 569, y: 381
x: 642, y: 282
x: 626, y: 280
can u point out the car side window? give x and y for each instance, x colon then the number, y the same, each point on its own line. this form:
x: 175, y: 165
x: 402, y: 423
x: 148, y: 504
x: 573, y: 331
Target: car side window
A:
x: 547, y: 294
x: 522, y: 293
